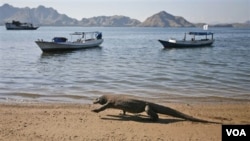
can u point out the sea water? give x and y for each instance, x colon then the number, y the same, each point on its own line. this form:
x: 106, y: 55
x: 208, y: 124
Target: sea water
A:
x: 130, y: 61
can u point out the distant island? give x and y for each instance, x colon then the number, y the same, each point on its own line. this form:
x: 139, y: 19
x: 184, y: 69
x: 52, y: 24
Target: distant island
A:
x: 44, y: 16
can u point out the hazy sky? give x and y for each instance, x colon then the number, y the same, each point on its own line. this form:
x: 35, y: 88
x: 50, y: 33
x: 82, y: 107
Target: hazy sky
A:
x: 209, y: 11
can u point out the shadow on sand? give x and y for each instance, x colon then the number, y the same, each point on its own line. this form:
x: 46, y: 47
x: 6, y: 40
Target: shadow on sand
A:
x: 140, y: 118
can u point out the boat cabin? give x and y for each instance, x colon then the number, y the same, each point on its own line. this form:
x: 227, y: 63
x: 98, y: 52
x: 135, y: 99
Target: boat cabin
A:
x: 199, y: 34
x: 86, y: 36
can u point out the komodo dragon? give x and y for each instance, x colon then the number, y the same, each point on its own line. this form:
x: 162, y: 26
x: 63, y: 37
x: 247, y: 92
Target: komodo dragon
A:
x: 137, y: 106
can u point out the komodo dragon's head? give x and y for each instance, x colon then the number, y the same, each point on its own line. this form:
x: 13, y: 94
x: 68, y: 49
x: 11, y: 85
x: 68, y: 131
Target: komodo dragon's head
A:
x: 100, y: 100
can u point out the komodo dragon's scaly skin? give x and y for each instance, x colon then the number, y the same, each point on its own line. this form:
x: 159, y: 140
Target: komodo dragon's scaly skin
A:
x: 137, y: 106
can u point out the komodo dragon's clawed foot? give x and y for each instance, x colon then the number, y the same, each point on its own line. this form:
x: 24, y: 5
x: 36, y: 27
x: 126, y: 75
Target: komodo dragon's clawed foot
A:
x: 96, y: 110
x: 153, y: 116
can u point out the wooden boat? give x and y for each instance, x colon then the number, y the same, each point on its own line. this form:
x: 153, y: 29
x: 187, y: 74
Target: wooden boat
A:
x: 84, y: 40
x: 193, y: 42
x: 16, y: 25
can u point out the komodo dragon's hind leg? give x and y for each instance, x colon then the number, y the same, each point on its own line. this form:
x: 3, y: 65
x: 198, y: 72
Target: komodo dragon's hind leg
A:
x: 153, y: 115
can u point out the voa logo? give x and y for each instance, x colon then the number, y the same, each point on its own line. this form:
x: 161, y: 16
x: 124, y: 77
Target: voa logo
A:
x: 236, y: 132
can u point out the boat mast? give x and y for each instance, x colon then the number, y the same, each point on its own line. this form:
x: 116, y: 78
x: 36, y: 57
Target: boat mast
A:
x: 185, y: 36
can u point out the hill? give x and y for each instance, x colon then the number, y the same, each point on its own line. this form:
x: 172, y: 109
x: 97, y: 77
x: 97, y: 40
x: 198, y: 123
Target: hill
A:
x: 49, y: 16
x: 164, y: 19
x: 40, y: 15
x: 109, y: 21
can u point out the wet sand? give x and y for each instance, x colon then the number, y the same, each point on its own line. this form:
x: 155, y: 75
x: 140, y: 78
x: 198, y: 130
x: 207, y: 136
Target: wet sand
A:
x: 59, y: 122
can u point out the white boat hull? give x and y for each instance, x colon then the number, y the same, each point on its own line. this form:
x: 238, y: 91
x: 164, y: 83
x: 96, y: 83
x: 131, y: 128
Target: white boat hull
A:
x: 58, y: 46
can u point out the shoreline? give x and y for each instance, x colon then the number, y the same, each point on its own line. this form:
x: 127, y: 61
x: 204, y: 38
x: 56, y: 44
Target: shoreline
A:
x: 69, y: 121
x: 32, y: 98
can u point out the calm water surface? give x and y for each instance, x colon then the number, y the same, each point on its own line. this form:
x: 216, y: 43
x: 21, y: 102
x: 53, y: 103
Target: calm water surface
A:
x: 131, y: 61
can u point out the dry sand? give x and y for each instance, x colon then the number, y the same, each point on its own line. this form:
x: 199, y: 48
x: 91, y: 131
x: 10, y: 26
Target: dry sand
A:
x: 59, y: 122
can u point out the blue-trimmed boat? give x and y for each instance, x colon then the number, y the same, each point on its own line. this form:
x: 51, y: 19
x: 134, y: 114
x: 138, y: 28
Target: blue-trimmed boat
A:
x: 193, y: 42
x: 83, y: 40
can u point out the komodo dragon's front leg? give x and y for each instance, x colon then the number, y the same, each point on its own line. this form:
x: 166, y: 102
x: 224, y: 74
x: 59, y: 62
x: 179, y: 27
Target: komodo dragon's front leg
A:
x: 102, y: 108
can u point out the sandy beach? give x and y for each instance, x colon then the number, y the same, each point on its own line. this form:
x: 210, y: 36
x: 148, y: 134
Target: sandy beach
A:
x: 59, y: 122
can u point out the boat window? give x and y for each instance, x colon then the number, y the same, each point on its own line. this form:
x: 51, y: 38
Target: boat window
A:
x: 59, y: 39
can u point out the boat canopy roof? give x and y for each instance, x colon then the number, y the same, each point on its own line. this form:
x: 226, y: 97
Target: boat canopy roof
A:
x: 200, y: 33
x: 82, y: 33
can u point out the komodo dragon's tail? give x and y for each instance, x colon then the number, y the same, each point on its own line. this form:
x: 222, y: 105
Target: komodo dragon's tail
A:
x: 172, y: 112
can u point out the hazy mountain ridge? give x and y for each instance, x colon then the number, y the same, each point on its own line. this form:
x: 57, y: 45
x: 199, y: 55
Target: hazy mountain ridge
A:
x: 109, y: 21
x: 40, y: 15
x: 50, y: 17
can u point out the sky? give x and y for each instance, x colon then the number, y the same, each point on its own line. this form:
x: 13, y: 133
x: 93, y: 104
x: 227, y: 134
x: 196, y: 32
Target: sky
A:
x: 196, y: 11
